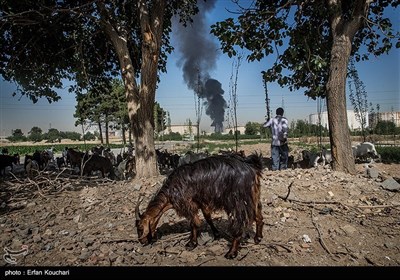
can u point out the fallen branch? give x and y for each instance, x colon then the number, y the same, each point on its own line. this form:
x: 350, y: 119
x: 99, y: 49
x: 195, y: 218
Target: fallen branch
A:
x: 39, y: 190
x: 119, y: 241
x: 285, y: 198
x: 62, y: 171
x: 311, y: 202
x: 378, y: 206
x: 205, y: 261
x: 15, y: 177
x: 270, y: 245
x: 321, y: 241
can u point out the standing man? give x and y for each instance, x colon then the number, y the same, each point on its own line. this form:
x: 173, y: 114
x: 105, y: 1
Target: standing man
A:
x: 279, y: 147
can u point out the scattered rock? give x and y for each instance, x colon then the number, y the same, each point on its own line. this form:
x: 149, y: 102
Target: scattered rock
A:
x: 350, y: 230
x: 91, y: 222
x: 390, y: 184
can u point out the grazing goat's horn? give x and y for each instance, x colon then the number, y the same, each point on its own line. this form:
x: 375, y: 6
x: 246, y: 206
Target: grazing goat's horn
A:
x: 137, y: 212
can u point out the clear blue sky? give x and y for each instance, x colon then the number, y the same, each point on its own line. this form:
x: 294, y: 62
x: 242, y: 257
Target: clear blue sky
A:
x: 381, y: 77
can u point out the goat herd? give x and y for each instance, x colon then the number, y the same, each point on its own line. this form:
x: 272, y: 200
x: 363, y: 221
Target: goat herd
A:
x: 122, y: 166
x: 227, y: 181
x: 83, y: 163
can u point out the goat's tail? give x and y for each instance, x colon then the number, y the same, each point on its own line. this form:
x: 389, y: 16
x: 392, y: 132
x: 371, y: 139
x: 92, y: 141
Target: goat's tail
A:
x: 255, y: 160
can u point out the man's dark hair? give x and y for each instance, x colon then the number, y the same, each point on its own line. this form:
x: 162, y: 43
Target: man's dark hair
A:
x: 279, y: 111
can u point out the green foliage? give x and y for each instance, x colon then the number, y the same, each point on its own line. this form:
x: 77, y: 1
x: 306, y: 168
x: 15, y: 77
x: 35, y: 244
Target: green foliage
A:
x: 17, y: 136
x: 359, y: 98
x: 303, y: 128
x: 96, y: 105
x: 23, y: 150
x: 91, y: 44
x: 17, y: 133
x: 70, y: 45
x: 52, y: 135
x: 160, y: 117
x: 89, y: 136
x: 252, y: 128
x: 58, y: 148
x: 301, y: 38
x: 172, y: 136
x: 304, y: 146
x: 104, y: 104
x: 386, y: 128
x: 35, y: 134
x: 389, y: 154
x: 218, y: 136
x: 97, y: 134
x: 74, y: 46
x: 72, y: 135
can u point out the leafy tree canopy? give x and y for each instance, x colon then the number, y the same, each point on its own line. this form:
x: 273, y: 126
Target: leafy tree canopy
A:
x: 45, y: 42
x: 252, y: 128
x: 385, y: 128
x: 35, y: 134
x: 299, y: 35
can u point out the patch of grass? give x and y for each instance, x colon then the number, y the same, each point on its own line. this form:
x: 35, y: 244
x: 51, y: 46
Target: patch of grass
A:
x: 23, y: 150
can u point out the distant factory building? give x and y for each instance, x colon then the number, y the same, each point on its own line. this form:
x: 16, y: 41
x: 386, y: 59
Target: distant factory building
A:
x: 385, y: 116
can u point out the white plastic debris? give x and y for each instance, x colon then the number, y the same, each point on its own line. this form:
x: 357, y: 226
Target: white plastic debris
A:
x: 306, y: 238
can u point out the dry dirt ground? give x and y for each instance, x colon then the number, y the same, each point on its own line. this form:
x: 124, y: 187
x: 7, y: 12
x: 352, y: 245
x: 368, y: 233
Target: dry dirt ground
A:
x: 325, y: 218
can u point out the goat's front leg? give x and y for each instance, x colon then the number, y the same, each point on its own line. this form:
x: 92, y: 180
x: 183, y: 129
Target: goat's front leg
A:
x: 194, y: 224
x: 207, y: 216
x: 233, y: 251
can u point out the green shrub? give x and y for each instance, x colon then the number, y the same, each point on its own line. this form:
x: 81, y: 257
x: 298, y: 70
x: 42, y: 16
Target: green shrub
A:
x: 389, y: 154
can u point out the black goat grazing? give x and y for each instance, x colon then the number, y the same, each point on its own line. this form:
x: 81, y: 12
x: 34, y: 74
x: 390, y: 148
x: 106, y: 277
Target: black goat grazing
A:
x: 229, y: 183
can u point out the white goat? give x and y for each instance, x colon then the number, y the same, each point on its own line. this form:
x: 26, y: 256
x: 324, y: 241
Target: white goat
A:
x: 365, y: 150
x: 326, y: 156
x: 50, y: 153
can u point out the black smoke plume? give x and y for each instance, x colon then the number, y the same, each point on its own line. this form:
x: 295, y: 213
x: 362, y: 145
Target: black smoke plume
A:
x: 198, y: 58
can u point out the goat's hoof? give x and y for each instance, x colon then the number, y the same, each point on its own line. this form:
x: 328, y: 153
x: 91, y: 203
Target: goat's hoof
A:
x: 190, y: 245
x: 257, y: 239
x: 231, y: 255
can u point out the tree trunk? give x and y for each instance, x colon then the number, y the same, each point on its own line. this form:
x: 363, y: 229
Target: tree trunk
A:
x: 123, y: 135
x: 343, y: 32
x: 151, y: 23
x: 107, y: 134
x: 100, y: 133
x: 342, y: 155
x: 141, y: 101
